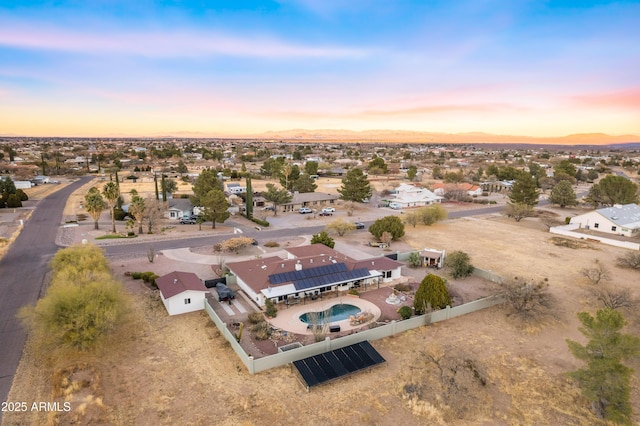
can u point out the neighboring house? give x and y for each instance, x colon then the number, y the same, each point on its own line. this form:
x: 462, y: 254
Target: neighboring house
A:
x: 497, y: 186
x: 179, y: 208
x: 22, y: 184
x: 308, y: 199
x: 432, y: 258
x: 466, y: 188
x: 619, y: 220
x: 182, y: 292
x: 235, y: 188
x: 308, y: 272
x: 412, y: 196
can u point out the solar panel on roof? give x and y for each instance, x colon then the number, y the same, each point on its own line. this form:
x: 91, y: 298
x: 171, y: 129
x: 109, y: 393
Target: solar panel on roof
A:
x: 289, y: 276
x: 331, y: 365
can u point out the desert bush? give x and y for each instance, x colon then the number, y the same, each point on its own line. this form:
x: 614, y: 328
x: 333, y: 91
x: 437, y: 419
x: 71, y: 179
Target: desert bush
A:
x: 630, y: 260
x: 596, y: 274
x: 414, y: 259
x: 460, y: 264
x: 272, y: 244
x: 405, y: 312
x: 270, y: 309
x: 262, y: 330
x: 236, y: 244
x: 528, y: 300
x: 256, y: 317
x: 353, y: 291
x: 403, y: 287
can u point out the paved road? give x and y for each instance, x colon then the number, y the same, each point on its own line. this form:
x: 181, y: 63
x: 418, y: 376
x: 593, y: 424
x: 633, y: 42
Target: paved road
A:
x: 22, y: 273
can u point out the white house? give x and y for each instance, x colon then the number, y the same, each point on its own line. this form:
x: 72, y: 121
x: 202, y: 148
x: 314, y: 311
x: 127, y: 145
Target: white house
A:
x: 619, y: 220
x: 413, y: 196
x: 179, y: 208
x: 235, y: 188
x: 467, y: 188
x: 181, y: 292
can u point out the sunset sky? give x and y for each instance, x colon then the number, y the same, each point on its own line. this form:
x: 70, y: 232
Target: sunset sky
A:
x: 225, y: 68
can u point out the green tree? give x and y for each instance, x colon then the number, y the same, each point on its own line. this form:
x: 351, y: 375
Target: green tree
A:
x: 169, y: 186
x: 83, y: 303
x: 276, y: 196
x: 613, y: 190
x: 304, y: 184
x: 524, y: 190
x: 460, y: 264
x: 216, y: 207
x: 391, y: 224
x: 249, y: 200
x: 565, y: 166
x: 431, y: 293
x: 323, y: 238
x: 111, y: 193
x: 355, y: 186
x: 289, y: 175
x: 182, y: 168
x: 412, y: 172
x: 341, y: 226
x: 413, y: 218
x: 605, y: 381
x: 563, y: 195
x: 377, y: 166
x: 205, y: 182
x: 414, y: 259
x: 311, y: 168
x: 272, y: 167
x: 94, y: 204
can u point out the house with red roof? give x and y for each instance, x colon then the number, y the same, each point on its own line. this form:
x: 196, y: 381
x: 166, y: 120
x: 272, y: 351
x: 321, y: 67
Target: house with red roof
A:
x: 462, y: 188
x: 308, y: 272
x: 181, y: 292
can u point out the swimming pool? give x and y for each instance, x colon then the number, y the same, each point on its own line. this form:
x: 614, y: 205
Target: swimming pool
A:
x: 339, y: 312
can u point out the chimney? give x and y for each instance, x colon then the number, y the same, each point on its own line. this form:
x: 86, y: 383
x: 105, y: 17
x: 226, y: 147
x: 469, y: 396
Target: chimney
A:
x: 298, y: 266
x: 310, y: 260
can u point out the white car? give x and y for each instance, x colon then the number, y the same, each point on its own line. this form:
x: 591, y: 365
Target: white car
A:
x: 328, y: 210
x: 395, y: 206
x: 304, y: 210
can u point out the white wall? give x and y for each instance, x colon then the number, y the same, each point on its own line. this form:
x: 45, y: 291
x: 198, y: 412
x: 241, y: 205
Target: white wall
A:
x: 258, y: 298
x: 175, y: 305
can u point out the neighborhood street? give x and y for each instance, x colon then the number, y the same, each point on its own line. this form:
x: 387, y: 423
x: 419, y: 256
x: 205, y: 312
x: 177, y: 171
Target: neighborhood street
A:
x: 23, y: 270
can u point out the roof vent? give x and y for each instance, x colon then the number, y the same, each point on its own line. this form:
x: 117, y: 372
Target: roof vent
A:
x: 264, y: 267
x: 614, y: 217
x: 298, y: 267
x: 310, y: 260
x: 282, y: 265
x: 175, y: 281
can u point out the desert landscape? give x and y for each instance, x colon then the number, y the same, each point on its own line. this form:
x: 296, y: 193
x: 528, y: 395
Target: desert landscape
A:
x: 167, y: 370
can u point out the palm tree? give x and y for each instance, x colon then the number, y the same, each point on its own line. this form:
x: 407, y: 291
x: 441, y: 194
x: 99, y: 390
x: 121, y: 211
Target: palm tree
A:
x: 94, y: 204
x: 111, y: 192
x: 136, y: 208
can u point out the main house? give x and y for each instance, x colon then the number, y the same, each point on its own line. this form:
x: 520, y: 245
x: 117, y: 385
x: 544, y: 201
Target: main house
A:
x: 619, y: 220
x: 462, y: 188
x: 308, y: 272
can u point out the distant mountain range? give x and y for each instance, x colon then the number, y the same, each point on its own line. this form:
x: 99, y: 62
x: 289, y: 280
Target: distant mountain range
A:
x: 399, y: 136
x: 429, y: 137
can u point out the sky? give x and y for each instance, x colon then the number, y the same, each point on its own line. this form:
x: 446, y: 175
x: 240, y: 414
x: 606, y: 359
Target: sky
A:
x: 236, y: 68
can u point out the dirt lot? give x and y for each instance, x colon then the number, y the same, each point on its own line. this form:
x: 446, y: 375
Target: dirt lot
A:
x: 163, y: 370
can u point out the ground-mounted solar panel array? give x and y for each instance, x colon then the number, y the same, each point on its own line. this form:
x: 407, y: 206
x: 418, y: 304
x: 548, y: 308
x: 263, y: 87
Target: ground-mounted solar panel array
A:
x: 322, y: 368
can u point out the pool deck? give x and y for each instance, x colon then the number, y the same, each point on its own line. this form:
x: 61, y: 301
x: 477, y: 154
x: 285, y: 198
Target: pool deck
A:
x: 289, y: 319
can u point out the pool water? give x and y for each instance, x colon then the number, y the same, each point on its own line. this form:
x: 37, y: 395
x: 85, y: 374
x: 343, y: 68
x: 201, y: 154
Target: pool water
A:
x: 336, y: 313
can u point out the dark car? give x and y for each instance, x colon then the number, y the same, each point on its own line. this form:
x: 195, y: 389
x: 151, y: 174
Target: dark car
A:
x: 188, y: 221
x: 359, y: 225
x: 224, y: 293
x: 325, y: 214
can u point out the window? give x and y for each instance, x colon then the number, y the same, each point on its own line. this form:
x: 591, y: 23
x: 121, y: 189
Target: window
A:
x: 595, y: 225
x: 613, y: 229
x: 187, y: 301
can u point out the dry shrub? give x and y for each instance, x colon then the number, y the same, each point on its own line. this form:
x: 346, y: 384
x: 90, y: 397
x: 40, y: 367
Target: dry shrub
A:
x: 528, y: 301
x: 256, y: 317
x: 271, y: 244
x: 261, y: 330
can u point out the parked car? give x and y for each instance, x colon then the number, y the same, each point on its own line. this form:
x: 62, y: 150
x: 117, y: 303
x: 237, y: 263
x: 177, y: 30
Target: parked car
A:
x: 359, y: 225
x: 323, y: 213
x: 304, y: 210
x: 224, y: 293
x: 188, y: 221
x: 395, y: 206
x: 328, y: 210
x: 268, y: 208
x: 378, y: 244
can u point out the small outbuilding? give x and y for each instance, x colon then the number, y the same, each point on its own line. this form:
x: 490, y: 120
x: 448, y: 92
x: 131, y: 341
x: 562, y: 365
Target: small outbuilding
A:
x: 181, y: 292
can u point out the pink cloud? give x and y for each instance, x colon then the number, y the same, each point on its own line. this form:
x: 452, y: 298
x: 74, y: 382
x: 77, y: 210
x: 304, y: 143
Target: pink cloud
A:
x: 178, y: 43
x: 624, y: 99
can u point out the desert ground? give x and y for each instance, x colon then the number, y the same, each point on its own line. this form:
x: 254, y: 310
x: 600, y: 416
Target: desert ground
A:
x: 179, y: 370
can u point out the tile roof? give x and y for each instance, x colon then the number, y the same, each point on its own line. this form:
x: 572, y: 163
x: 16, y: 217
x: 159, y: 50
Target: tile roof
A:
x: 176, y: 282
